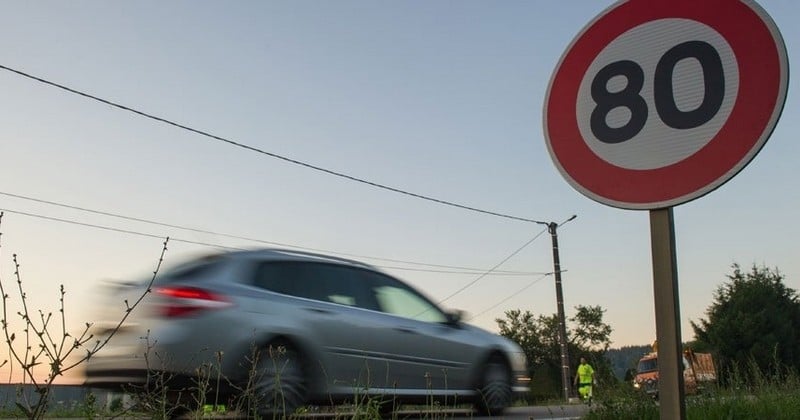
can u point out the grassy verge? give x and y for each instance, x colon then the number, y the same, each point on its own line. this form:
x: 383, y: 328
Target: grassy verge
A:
x: 774, y: 397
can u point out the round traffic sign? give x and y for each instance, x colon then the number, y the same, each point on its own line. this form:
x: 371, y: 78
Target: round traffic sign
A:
x: 656, y: 103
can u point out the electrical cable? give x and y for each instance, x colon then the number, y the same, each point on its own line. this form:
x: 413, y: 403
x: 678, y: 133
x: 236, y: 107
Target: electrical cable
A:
x: 213, y: 245
x: 494, y: 273
x: 289, y: 160
x: 549, y: 226
x: 173, y: 226
x: 264, y: 152
x: 528, y: 286
x: 493, y: 268
x: 113, y: 229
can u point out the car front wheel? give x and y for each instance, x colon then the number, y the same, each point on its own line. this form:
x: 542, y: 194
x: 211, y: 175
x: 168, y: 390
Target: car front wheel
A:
x: 279, y: 384
x: 494, y: 394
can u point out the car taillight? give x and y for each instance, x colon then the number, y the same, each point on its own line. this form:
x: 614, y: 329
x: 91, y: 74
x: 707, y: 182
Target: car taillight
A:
x: 182, y: 301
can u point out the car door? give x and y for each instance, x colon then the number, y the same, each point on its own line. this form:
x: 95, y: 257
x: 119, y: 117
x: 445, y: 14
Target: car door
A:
x: 422, y: 349
x: 325, y: 308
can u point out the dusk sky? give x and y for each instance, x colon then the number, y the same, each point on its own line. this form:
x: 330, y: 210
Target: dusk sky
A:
x: 442, y: 99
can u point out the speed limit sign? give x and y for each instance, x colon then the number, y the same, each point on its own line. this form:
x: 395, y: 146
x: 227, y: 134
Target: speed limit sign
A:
x: 656, y: 103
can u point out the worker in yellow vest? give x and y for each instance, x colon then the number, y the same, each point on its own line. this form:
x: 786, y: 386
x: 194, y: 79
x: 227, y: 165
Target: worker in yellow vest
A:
x: 584, y: 380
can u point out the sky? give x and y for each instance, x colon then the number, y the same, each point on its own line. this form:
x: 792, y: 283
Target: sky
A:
x: 442, y: 99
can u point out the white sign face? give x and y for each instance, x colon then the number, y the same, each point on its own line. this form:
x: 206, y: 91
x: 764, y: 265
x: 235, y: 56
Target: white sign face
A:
x: 658, y: 103
x: 603, y: 111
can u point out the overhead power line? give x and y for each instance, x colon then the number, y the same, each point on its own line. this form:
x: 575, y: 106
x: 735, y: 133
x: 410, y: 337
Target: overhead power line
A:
x: 113, y: 229
x: 255, y: 240
x: 528, y: 286
x: 233, y: 248
x: 264, y: 152
x: 494, y: 273
x: 517, y: 251
x: 549, y: 227
x: 148, y: 235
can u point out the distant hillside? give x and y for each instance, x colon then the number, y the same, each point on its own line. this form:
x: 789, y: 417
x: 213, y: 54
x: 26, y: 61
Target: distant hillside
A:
x: 625, y: 358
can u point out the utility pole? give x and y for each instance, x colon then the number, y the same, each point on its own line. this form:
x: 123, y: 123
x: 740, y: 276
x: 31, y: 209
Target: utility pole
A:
x: 552, y: 227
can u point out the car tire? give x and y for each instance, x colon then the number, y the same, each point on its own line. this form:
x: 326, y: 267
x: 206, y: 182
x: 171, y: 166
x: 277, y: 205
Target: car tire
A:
x: 279, y: 386
x: 494, y: 394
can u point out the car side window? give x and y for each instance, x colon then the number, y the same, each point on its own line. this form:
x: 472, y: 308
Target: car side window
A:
x: 317, y: 281
x: 396, y: 298
x: 281, y: 277
x: 345, y: 286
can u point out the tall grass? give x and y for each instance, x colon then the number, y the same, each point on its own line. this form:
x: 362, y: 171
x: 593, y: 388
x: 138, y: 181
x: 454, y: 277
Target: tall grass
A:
x: 749, y: 394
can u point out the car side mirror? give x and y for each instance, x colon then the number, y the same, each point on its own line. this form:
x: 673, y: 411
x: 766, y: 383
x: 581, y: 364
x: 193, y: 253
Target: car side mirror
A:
x: 455, y: 317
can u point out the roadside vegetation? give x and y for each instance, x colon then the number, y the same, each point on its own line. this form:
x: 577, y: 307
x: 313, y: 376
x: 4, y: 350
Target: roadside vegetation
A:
x: 587, y: 336
x: 752, y: 328
x: 40, y: 347
x: 749, y: 394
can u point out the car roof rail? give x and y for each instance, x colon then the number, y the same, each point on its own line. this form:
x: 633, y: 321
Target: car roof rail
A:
x: 306, y: 255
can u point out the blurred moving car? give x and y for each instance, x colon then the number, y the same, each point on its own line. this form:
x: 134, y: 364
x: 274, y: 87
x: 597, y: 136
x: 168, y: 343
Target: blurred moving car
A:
x: 286, y: 328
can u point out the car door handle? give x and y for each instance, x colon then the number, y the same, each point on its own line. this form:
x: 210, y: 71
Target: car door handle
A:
x: 405, y: 330
x: 319, y: 311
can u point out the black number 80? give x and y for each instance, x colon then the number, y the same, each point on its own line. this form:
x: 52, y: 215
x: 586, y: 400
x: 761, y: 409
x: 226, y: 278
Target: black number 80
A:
x: 663, y: 93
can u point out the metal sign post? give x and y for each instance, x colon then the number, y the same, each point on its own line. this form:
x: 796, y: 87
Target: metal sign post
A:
x: 668, y: 325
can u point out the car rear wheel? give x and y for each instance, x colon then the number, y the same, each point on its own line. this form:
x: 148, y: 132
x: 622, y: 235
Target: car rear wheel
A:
x: 279, y: 384
x: 494, y: 394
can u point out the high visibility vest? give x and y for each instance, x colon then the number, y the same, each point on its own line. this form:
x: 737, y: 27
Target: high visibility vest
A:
x: 585, y: 373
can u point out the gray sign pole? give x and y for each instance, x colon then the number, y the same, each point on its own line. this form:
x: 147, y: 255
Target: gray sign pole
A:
x: 668, y: 326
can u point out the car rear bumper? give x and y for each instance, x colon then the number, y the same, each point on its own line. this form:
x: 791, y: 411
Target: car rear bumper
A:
x: 115, y: 379
x: 135, y: 379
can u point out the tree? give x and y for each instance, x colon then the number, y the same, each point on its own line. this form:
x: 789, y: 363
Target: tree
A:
x: 538, y: 337
x: 590, y: 332
x: 754, y: 321
x: 624, y: 360
x: 523, y: 328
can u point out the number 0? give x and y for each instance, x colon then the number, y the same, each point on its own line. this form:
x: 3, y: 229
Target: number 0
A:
x: 713, y: 81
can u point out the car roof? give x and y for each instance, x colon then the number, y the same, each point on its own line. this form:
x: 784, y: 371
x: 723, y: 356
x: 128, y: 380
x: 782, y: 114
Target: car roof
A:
x: 279, y: 254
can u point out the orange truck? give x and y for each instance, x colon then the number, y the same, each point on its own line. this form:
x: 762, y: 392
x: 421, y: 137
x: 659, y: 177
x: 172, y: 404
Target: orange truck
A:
x: 698, y: 372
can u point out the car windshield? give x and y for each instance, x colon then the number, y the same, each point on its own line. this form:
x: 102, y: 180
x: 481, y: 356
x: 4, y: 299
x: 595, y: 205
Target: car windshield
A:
x: 397, y: 298
x: 648, y: 365
x: 405, y: 303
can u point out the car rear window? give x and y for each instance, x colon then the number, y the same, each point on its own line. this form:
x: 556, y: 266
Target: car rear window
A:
x: 191, y: 271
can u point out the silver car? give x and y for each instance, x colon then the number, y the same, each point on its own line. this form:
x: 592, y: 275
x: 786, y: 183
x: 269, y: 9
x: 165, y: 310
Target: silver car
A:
x: 275, y: 330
